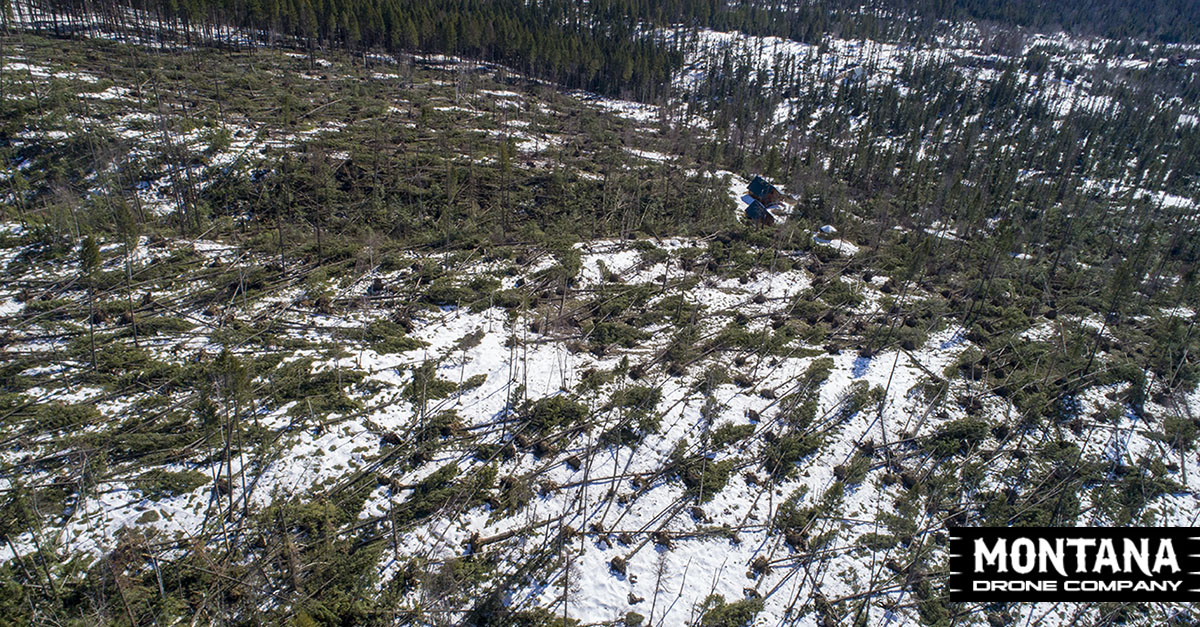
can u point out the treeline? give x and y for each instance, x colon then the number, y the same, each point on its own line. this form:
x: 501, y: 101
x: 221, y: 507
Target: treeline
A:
x: 1124, y: 135
x: 605, y: 46
x: 1161, y: 21
x: 577, y: 47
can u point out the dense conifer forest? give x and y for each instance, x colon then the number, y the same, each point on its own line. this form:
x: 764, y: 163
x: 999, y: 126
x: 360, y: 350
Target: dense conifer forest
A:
x: 601, y: 46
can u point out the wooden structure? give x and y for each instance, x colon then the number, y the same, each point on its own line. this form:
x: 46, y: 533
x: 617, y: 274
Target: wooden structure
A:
x: 765, y: 192
x: 757, y: 212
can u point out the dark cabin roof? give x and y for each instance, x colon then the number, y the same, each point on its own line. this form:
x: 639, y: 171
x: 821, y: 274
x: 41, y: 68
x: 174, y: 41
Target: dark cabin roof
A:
x: 759, y: 187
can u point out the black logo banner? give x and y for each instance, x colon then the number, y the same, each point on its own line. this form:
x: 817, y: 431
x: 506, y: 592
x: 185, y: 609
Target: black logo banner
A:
x: 1074, y: 564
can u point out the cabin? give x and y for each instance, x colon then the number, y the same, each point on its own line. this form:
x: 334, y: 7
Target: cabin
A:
x: 765, y: 203
x: 763, y: 191
x: 758, y: 212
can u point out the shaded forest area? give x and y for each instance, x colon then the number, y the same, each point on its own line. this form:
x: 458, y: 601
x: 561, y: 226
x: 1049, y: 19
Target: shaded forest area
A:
x: 606, y: 46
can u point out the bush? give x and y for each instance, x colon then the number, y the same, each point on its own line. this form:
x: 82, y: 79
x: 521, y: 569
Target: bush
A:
x: 636, y: 397
x: 426, y: 385
x: 729, y: 433
x: 682, y: 349
x: 55, y: 416
x: 443, y: 292
x: 157, y: 483
x: 817, y: 372
x: 1179, y: 432
x: 614, y: 301
x: 553, y: 412
x: 609, y: 333
x: 957, y: 436
x: 323, y: 391
x: 780, y: 457
x: 703, y: 478
x: 163, y: 325
x: 840, y: 294
x: 857, y: 469
x: 718, y: 613
x: 383, y: 336
x: 714, y: 377
x: 444, y: 487
x: 858, y: 397
x: 876, y: 541
x: 1135, y: 491
x: 800, y: 413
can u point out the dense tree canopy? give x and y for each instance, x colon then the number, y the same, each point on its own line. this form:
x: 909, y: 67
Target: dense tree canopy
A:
x: 607, y: 46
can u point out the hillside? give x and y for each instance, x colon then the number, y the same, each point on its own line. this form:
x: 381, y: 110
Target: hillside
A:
x: 316, y: 334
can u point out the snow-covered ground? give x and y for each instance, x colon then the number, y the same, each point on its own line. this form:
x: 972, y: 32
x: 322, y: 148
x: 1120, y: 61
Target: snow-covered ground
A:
x: 621, y: 490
